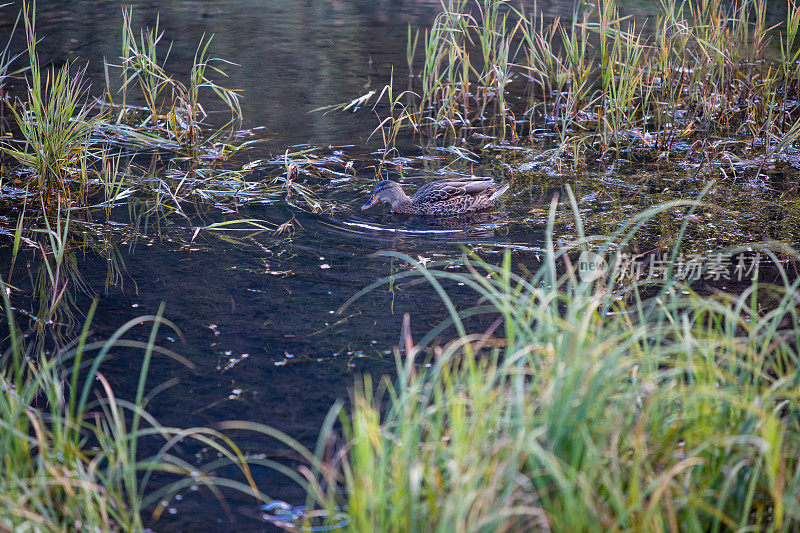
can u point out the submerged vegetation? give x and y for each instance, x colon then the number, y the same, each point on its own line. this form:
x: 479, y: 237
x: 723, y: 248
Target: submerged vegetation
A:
x: 550, y: 402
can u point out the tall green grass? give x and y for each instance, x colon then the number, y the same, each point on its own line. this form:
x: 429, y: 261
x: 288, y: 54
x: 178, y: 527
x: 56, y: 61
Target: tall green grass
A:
x: 467, y: 63
x: 579, y: 409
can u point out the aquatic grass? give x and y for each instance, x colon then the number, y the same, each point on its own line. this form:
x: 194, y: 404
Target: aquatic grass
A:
x: 411, y: 50
x: 68, y: 148
x: 6, y: 60
x: 113, y: 180
x: 450, y: 72
x: 605, y: 88
x: 140, y: 64
x: 174, y: 107
x: 54, y: 122
x: 661, y: 409
x: 55, y: 263
x: 790, y: 53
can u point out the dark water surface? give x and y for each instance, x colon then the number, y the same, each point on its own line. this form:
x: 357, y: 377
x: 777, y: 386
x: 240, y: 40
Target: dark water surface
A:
x: 258, y: 313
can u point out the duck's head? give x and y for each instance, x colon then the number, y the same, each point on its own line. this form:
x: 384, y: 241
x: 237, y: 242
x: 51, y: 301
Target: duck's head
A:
x: 386, y: 191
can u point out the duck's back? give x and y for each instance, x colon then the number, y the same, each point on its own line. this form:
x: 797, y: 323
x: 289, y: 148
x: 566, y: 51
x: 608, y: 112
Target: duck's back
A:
x: 454, y: 196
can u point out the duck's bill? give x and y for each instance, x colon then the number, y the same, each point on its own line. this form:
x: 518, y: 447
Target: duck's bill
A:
x: 372, y: 201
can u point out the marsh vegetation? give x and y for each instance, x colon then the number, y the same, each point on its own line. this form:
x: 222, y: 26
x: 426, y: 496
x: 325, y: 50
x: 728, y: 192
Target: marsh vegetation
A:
x: 521, y: 395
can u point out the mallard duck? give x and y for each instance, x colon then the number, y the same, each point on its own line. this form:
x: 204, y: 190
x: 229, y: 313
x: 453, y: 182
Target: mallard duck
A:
x: 451, y: 196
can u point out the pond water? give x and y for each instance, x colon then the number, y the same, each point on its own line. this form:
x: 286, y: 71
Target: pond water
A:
x: 258, y: 311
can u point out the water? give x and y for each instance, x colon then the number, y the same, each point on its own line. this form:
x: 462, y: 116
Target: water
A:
x: 258, y: 312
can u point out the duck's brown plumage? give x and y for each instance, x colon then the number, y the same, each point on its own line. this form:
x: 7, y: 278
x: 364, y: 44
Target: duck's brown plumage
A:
x: 451, y: 196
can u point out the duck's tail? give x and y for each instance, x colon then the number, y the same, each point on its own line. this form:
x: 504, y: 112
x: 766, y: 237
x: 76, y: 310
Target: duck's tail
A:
x: 499, y: 192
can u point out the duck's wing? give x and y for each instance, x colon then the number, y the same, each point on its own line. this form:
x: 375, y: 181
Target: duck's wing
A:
x: 444, y: 190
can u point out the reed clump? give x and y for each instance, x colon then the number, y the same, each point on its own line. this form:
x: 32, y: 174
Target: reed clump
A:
x: 708, y: 75
x: 55, y: 125
x: 580, y: 410
x: 709, y: 70
x: 67, y: 142
x: 172, y: 107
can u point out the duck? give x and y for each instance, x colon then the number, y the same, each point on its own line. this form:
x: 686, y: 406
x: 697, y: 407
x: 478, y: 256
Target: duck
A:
x: 446, y: 197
